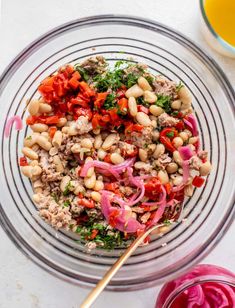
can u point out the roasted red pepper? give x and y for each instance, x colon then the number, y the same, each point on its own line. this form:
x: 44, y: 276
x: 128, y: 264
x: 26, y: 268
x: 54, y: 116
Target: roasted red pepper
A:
x: 166, y: 136
x: 198, y: 181
x: 153, y: 188
x: 23, y: 161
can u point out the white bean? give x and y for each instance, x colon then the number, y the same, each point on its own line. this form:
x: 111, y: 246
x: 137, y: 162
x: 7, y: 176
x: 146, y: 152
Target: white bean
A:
x: 79, y: 189
x: 72, y: 131
x: 58, y: 164
x: 193, y: 140
x: 150, y: 97
x: 205, y: 168
x: 44, y: 108
x: 185, y: 96
x: 30, y: 141
x: 184, y: 136
x: 91, y: 170
x: 46, y: 135
x: 155, y: 135
x: 44, y: 143
x: 76, y: 148
x: 33, y: 107
x: 34, y: 163
x: 99, y: 185
x: 143, y: 119
x: 177, y: 142
x: 188, y: 133
x: 160, y: 149
x: 156, y: 110
x: 96, y: 196
x: 53, y: 151
x: 65, y: 130
x: 39, y: 127
x: 116, y: 158
x: 36, y: 170
x: 178, y: 180
x: 132, y: 106
x: 172, y: 168
x: 134, y: 91
x: 86, y: 143
x: 109, y: 141
x: 36, y: 198
x: 27, y: 171
x: 96, y: 131
x: 37, y: 184
x: 101, y: 154
x: 144, y: 84
x: 64, y: 182
x: 29, y: 153
x: 177, y: 158
x: 61, y: 122
x: 57, y: 139
x: 90, y: 182
x: 98, y: 142
x: 163, y: 177
x: 176, y: 104
x: 141, y: 165
x: 143, y: 155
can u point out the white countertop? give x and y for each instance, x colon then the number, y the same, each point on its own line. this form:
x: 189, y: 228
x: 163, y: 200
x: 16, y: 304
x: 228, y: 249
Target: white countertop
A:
x: 22, y: 283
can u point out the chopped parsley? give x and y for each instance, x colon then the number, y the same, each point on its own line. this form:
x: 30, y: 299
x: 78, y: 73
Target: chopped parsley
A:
x: 110, y: 80
x: 140, y: 101
x: 67, y: 188
x: 66, y: 203
x: 164, y: 101
x: 110, y: 102
x: 167, y: 222
x: 150, y: 80
x: 82, y: 72
x: 170, y: 134
x: 175, y: 113
x: 130, y: 80
x: 55, y: 197
x: 179, y: 86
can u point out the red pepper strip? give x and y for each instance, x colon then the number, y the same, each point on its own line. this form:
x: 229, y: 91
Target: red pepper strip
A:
x: 52, y: 131
x: 42, y: 119
x: 107, y: 158
x: 133, y: 128
x: 86, y: 203
x: 51, y: 120
x: 180, y: 125
x: 100, y: 99
x: 166, y: 135
x: 123, y: 104
x: 93, y: 235
x: 167, y: 143
x: 198, y: 181
x: 168, y: 188
x: 143, y: 109
x: 23, y: 161
x: 153, y: 188
x: 113, y: 218
x: 85, y: 88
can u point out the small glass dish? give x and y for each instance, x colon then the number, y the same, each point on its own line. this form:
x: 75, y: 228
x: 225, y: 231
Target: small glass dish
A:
x: 214, y: 40
x: 204, y: 282
x: 207, y: 215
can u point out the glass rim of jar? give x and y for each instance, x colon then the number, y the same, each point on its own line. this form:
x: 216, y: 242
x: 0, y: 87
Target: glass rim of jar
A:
x: 197, y: 281
x: 221, y: 41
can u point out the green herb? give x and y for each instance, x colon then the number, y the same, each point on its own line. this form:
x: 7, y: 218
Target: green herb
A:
x: 110, y: 80
x: 164, y: 101
x: 170, y: 134
x: 67, y: 188
x: 29, y: 138
x: 179, y: 86
x: 82, y: 72
x: 66, y: 203
x: 150, y: 79
x: 130, y: 80
x: 140, y: 101
x: 110, y: 102
x: 175, y: 113
x: 55, y: 197
x: 120, y: 63
x: 167, y: 222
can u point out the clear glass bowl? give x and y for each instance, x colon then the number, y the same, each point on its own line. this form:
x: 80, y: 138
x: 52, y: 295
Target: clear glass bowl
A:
x: 175, y: 293
x: 207, y: 215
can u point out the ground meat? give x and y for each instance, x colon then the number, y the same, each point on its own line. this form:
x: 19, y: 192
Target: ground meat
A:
x: 163, y: 160
x: 164, y: 120
x: 163, y: 86
x: 142, y: 139
x: 195, y: 162
x: 94, y: 65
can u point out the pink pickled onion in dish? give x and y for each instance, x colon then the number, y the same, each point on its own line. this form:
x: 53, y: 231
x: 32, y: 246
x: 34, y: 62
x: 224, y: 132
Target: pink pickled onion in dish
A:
x: 185, y: 152
x: 130, y: 225
x: 195, y: 296
x: 115, y: 170
x: 186, y: 174
x: 18, y: 125
x: 160, y: 210
x: 192, y: 124
x: 138, y: 183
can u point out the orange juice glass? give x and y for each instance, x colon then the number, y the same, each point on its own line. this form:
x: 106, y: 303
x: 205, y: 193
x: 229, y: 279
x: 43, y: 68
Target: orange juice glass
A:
x: 218, y: 20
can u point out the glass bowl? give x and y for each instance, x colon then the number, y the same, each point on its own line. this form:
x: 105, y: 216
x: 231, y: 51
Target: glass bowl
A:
x: 214, y: 40
x: 207, y: 215
x: 175, y: 293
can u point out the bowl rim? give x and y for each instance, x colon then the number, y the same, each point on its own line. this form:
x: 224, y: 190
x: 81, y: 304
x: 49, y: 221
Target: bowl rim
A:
x: 147, y: 23
x: 221, y: 41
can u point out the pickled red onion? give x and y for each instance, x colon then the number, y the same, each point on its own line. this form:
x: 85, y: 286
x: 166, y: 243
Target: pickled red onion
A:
x: 185, y: 152
x: 160, y: 211
x: 192, y: 124
x: 18, y: 125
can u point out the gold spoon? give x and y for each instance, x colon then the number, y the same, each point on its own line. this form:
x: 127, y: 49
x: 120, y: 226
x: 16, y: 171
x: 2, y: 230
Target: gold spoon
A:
x: 115, y: 267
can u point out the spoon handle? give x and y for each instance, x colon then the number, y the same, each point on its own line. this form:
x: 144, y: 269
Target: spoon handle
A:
x: 115, y: 267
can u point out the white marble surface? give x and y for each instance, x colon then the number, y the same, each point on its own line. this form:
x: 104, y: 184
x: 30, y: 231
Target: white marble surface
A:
x: 22, y: 283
